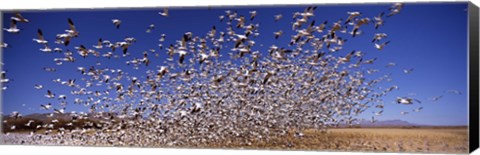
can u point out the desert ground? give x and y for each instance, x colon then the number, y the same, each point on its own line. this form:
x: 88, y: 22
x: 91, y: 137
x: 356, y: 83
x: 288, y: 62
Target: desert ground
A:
x: 426, y: 140
x: 423, y: 140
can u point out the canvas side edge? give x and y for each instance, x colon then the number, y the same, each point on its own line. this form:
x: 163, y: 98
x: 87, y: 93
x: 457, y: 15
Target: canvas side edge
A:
x: 473, y: 41
x: 1, y: 84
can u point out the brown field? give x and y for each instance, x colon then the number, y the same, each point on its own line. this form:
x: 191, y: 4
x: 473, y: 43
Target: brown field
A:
x: 425, y: 140
x: 414, y: 140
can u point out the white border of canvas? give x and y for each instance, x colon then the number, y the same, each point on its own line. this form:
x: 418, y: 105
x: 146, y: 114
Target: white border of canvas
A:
x: 77, y: 4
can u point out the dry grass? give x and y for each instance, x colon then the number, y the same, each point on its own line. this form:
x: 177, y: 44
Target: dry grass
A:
x: 453, y: 140
x: 418, y: 140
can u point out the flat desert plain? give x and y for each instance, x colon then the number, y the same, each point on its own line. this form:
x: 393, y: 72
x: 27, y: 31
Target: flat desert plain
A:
x: 425, y: 140
x: 418, y: 140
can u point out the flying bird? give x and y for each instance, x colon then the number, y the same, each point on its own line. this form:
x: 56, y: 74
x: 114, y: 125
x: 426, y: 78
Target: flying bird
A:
x: 391, y: 64
x: 278, y: 17
x: 150, y: 28
x: 436, y: 98
x: 381, y: 46
x: 46, y: 49
x: 356, y: 27
x: 19, y: 18
x: 378, y: 20
x: 50, y: 94
x: 4, y: 45
x: 351, y: 16
x: 378, y: 113
x: 37, y: 86
x: 253, y: 14
x: 164, y: 13
x: 454, y: 92
x: 408, y: 71
x: 116, y: 22
x: 40, y: 39
x: 46, y: 106
x: 49, y: 69
x: 406, y: 100
x: 73, y: 30
x: 181, y: 54
x: 395, y: 9
x: 278, y: 34
x: 378, y: 37
x: 13, y: 27
x: 417, y: 109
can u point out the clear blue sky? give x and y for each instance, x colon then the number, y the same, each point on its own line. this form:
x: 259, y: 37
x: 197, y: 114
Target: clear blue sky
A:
x: 429, y: 37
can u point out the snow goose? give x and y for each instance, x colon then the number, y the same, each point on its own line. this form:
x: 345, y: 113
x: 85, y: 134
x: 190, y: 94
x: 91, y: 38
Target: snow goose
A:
x: 381, y: 46
x: 41, y: 39
x: 116, y: 22
x: 13, y: 27
x: 164, y: 13
x: 19, y: 18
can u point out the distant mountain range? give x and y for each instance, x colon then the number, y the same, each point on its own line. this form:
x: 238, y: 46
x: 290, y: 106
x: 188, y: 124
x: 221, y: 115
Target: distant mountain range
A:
x: 362, y: 123
x: 46, y: 117
x: 388, y: 123
x: 396, y: 123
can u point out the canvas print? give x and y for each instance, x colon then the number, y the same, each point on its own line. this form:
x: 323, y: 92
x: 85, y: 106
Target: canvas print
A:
x: 386, y: 77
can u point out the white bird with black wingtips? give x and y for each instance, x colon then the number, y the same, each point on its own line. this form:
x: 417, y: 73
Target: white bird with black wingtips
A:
x: 116, y: 22
x: 50, y: 94
x: 406, y: 100
x: 278, y: 17
x: 3, y: 45
x: 40, y: 39
x: 164, y: 13
x: 381, y: 46
x: 37, y: 86
x: 19, y: 18
x: 13, y: 27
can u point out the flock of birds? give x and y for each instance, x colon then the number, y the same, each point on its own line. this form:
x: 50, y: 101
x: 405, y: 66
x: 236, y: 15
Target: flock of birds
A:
x: 196, y: 98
